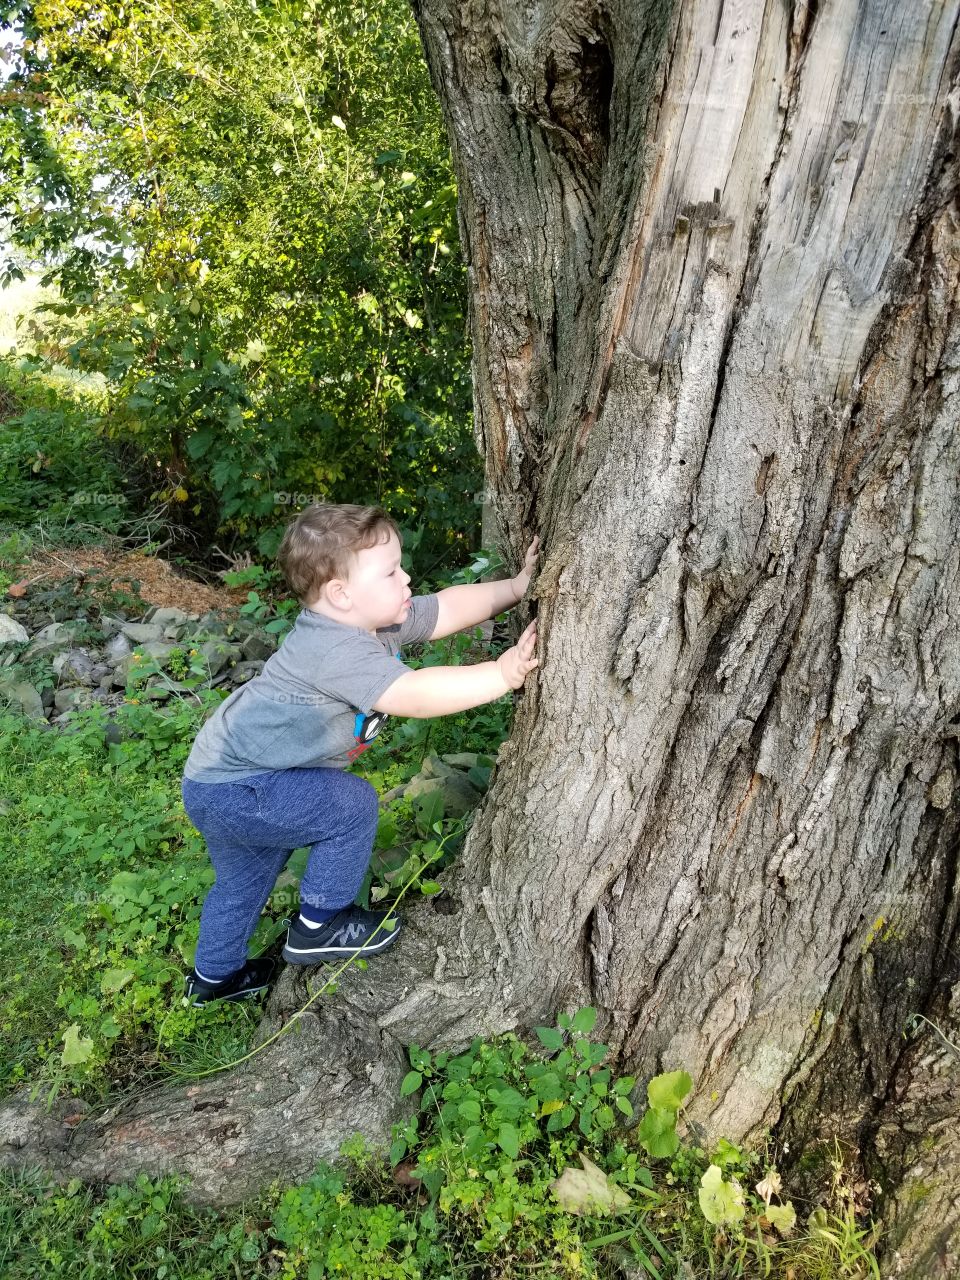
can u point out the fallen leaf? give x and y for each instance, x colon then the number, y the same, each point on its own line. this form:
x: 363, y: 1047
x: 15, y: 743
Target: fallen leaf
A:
x: 721, y: 1202
x: 589, y: 1190
x: 782, y: 1216
x: 403, y: 1174
x: 770, y: 1186
x: 76, y: 1048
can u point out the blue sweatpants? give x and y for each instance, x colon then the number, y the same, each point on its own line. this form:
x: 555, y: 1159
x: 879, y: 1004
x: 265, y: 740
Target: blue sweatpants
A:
x: 251, y: 828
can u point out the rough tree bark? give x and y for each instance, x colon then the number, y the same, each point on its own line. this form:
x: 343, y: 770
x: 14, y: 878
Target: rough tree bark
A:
x: 714, y: 271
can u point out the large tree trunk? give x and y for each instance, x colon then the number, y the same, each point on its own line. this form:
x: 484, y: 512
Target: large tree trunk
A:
x: 714, y: 271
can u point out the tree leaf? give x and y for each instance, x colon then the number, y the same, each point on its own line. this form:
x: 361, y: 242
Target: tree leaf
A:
x: 769, y: 1186
x: 509, y: 1140
x: 657, y: 1132
x: 76, y: 1048
x: 588, y: 1190
x: 781, y: 1216
x: 721, y: 1202
x: 666, y: 1092
x: 584, y: 1020
x: 550, y: 1037
x: 411, y: 1083
x: 114, y: 979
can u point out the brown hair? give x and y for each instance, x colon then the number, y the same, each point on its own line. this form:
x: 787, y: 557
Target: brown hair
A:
x: 322, y: 542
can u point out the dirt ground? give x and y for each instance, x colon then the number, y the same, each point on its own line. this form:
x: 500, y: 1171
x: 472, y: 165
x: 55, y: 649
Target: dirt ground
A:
x: 160, y: 583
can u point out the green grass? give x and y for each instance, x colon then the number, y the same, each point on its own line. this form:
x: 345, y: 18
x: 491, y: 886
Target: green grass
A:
x: 86, y: 824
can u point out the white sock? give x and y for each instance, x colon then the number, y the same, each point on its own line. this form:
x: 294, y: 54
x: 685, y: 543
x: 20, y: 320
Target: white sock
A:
x: 311, y: 924
x: 214, y: 982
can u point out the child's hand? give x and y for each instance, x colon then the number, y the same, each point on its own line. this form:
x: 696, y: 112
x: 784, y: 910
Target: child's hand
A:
x: 522, y: 580
x: 517, y: 663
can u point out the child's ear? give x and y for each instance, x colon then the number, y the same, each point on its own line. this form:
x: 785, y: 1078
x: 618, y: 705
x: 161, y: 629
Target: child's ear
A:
x: 335, y: 591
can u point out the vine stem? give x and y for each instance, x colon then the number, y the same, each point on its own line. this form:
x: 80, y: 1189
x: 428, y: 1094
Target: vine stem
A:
x: 919, y: 1017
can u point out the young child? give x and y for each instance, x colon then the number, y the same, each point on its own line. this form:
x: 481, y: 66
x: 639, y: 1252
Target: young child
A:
x: 267, y: 772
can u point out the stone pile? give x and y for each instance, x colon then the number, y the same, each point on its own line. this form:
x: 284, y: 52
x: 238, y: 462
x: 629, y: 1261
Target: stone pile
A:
x: 69, y: 663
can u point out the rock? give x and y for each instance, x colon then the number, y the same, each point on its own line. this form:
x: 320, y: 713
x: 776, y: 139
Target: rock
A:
x: 109, y: 625
x: 459, y: 795
x: 245, y: 671
x: 24, y: 696
x: 52, y: 637
x: 46, y: 697
x: 114, y: 732
x: 132, y: 664
x: 11, y: 632
x: 99, y: 671
x: 75, y: 666
x: 163, y: 617
x: 468, y: 759
x: 158, y: 649
x: 121, y: 671
x: 257, y: 648
x: 140, y: 632
x: 71, y: 699
x: 211, y: 625
x: 218, y: 653
x: 433, y: 767
x: 118, y: 648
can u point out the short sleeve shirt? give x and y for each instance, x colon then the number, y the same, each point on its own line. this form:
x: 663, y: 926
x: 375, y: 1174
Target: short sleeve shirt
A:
x: 312, y: 704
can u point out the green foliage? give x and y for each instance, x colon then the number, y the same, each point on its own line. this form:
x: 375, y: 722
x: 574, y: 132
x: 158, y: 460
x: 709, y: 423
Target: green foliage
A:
x: 54, y: 463
x: 500, y: 1206
x: 657, y: 1130
x: 325, y: 1232
x: 254, y: 242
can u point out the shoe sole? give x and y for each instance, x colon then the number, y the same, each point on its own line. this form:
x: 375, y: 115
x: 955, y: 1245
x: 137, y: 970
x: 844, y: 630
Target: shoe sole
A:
x: 305, y: 955
x: 235, y: 995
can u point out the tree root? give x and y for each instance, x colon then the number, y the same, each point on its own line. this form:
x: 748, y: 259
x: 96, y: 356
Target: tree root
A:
x: 918, y: 1145
x: 335, y: 1073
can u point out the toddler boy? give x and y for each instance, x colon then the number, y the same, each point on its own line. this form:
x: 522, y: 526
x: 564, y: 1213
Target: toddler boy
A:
x: 267, y: 772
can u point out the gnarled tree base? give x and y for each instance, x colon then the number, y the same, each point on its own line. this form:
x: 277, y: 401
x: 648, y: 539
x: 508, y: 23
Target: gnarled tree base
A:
x: 335, y: 1073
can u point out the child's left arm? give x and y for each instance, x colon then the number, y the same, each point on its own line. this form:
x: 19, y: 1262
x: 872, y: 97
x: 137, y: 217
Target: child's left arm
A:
x: 468, y: 606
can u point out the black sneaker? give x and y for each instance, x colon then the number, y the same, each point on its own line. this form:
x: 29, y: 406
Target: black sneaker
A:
x: 350, y: 932
x: 249, y: 981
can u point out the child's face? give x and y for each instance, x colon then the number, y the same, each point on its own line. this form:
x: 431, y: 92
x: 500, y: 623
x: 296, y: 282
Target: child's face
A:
x: 375, y: 594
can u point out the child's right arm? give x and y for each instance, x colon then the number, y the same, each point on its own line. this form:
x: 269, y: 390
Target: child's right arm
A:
x: 443, y: 691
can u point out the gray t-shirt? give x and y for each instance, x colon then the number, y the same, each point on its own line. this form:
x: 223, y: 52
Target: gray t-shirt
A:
x: 311, y: 705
